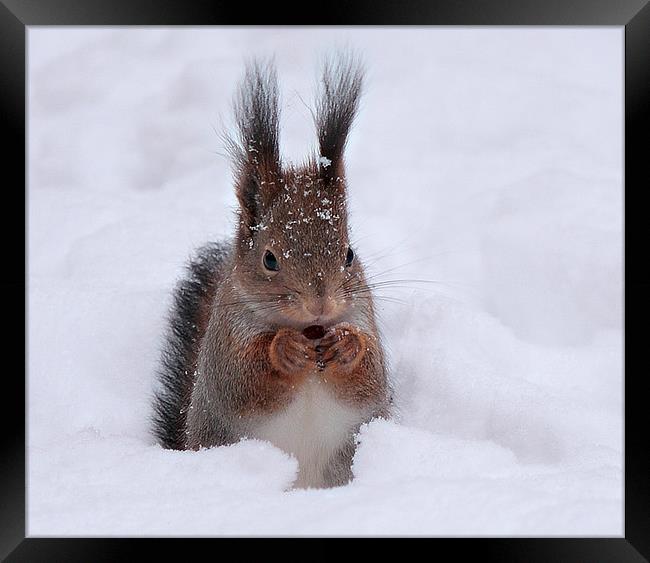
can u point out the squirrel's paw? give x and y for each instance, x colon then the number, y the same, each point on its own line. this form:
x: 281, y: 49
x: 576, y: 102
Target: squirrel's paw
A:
x: 291, y: 353
x: 341, y: 349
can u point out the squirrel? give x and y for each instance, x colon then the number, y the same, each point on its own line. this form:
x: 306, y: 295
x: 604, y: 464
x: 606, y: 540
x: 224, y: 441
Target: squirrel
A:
x: 273, y: 334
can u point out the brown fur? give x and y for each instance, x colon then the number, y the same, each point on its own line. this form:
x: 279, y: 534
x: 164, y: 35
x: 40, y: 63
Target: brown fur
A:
x: 252, y: 359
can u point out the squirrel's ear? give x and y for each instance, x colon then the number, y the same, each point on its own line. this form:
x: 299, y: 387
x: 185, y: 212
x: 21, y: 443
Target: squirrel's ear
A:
x: 255, y: 150
x: 336, y: 107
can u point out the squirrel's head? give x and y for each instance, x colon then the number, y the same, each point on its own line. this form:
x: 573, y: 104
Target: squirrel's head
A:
x: 294, y: 262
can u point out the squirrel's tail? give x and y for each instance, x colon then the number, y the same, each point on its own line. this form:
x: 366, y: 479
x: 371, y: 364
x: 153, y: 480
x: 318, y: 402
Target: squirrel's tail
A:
x: 187, y: 322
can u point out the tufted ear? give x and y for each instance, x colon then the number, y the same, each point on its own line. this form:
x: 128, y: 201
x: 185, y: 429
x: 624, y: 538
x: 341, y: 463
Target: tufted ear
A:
x: 336, y: 107
x: 255, y: 149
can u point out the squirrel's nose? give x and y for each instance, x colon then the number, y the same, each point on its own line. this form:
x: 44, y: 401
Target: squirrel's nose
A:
x: 321, y: 306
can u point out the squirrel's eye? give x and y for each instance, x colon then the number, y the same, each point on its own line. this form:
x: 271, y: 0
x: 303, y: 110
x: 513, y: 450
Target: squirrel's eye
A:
x: 349, y: 258
x: 270, y: 261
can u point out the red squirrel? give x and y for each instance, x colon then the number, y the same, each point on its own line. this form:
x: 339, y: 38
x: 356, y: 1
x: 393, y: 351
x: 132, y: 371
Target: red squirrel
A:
x: 273, y: 334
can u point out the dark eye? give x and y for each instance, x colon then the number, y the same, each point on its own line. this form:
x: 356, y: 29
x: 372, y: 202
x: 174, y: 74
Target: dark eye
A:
x: 270, y: 261
x: 349, y: 258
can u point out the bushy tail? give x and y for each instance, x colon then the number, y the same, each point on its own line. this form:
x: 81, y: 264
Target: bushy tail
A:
x: 188, y: 317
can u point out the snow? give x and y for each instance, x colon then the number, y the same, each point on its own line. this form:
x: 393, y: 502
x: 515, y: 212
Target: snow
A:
x: 324, y: 161
x: 486, y: 162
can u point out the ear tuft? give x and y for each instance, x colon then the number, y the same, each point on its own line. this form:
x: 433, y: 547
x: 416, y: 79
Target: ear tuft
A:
x: 336, y: 107
x: 255, y: 149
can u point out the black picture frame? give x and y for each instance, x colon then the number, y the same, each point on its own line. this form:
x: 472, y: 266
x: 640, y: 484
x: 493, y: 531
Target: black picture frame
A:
x: 17, y: 15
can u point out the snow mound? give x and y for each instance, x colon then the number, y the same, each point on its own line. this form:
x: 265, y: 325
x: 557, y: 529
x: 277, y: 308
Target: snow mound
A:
x: 485, y: 173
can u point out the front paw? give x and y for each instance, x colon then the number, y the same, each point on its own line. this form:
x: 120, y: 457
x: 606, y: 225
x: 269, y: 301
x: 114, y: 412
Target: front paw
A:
x: 341, y: 349
x: 291, y: 353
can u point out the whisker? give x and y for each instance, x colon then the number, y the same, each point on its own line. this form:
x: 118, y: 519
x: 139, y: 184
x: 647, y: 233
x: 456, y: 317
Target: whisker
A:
x: 389, y: 299
x: 389, y: 270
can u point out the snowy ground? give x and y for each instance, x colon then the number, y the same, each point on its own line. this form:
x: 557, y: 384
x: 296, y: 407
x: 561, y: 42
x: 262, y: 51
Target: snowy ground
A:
x: 487, y: 159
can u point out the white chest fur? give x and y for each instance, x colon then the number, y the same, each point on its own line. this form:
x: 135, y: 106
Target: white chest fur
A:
x: 313, y: 427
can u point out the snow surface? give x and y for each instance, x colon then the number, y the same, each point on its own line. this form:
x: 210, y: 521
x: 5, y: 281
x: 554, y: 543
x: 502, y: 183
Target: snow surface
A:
x: 486, y: 159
